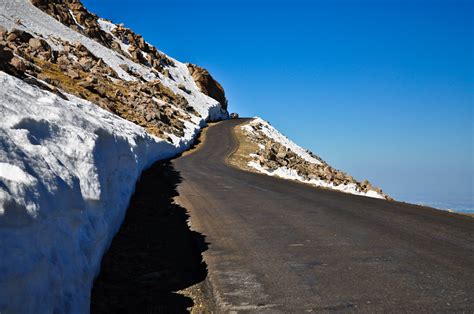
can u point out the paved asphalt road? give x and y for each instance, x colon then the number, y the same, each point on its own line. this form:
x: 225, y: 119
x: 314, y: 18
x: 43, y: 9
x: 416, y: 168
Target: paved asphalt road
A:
x: 281, y: 246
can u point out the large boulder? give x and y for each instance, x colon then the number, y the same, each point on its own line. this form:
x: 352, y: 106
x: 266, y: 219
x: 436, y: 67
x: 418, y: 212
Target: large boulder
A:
x: 207, y: 84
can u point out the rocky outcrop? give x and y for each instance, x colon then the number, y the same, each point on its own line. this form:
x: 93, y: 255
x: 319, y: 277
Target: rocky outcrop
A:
x: 272, y: 155
x: 74, y: 15
x: 121, y: 39
x: 207, y: 84
x: 139, y: 50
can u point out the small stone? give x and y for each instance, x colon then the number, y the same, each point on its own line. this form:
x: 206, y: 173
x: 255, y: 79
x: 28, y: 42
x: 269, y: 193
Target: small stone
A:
x: 3, y: 32
x: 124, y: 67
x: 21, y: 35
x: 37, y: 43
x: 74, y: 74
x: 11, y: 37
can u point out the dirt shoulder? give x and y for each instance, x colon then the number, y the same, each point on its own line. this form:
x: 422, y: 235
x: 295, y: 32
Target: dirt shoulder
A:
x: 241, y: 156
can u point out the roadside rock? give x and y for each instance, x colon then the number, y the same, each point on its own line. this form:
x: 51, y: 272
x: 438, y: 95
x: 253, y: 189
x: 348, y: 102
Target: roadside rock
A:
x: 273, y: 155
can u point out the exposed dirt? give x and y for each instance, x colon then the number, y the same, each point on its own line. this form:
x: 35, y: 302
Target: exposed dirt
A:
x: 241, y: 156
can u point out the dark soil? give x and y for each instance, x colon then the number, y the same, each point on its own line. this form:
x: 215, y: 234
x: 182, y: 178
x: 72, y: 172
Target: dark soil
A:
x: 154, y: 253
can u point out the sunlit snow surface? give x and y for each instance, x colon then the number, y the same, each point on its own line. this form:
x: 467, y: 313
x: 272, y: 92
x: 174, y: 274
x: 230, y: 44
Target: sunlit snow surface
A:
x: 291, y: 174
x: 67, y: 171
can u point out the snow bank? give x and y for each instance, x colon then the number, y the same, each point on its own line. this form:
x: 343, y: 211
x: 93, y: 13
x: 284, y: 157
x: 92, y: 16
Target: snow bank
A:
x: 291, y: 174
x: 67, y: 171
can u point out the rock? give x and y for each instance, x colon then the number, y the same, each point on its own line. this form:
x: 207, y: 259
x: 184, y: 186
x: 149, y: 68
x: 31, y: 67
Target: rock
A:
x: 275, y: 147
x: 116, y: 46
x: 184, y: 89
x: 207, y: 84
x: 86, y: 63
x: 3, y: 32
x: 63, y: 62
x: 90, y: 80
x: 38, y: 44
x: 21, y: 35
x: 11, y: 37
x: 167, y: 73
x: 83, y: 52
x: 74, y: 74
x: 125, y: 67
x: 281, y: 152
x: 18, y: 64
x: 234, y: 115
x: 141, y: 43
x: 149, y: 117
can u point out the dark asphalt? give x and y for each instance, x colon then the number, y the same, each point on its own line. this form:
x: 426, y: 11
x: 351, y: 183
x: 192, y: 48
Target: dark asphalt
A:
x: 281, y: 246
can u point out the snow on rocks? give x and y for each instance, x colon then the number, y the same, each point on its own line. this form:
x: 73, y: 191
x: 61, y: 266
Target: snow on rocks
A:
x: 279, y: 156
x: 40, y: 24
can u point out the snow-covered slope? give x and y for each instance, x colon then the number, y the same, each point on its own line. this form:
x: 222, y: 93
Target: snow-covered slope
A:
x: 68, y: 167
x: 279, y: 156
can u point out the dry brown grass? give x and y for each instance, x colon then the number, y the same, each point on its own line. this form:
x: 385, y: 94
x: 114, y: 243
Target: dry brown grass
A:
x: 241, y: 156
x: 59, y: 78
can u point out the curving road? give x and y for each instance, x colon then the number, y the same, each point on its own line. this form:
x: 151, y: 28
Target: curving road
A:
x: 281, y: 246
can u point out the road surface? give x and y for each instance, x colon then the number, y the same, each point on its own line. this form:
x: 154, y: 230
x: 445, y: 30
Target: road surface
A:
x: 281, y: 246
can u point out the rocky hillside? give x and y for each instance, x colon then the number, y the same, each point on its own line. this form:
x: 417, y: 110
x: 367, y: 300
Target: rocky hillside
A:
x: 275, y: 154
x: 85, y: 106
x: 133, y: 79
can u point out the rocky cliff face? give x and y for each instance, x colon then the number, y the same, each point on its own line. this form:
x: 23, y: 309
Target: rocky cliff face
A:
x: 207, y: 84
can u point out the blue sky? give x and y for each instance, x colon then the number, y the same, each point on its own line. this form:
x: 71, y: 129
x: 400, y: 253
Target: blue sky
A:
x: 380, y: 89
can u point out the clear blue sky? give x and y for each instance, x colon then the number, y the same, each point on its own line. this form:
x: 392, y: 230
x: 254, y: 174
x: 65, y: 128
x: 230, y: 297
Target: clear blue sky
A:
x: 380, y: 89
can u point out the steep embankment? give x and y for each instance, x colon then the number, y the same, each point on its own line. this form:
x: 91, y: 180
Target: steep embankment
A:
x: 264, y: 149
x: 85, y: 106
